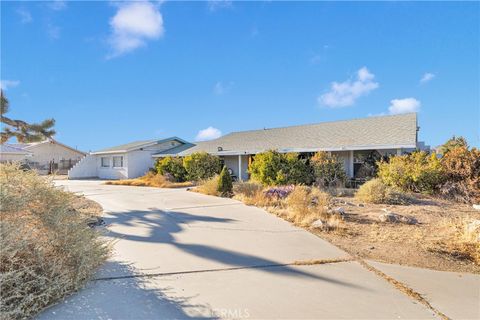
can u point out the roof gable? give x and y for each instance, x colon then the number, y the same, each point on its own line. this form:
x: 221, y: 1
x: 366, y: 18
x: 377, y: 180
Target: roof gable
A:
x: 382, y: 132
x: 137, y: 145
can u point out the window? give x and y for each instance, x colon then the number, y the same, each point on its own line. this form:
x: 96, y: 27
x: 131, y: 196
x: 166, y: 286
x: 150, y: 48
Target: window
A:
x: 118, y: 162
x: 105, y: 162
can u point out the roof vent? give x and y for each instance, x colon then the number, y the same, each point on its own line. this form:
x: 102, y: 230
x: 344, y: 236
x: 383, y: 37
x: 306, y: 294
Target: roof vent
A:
x: 219, y: 149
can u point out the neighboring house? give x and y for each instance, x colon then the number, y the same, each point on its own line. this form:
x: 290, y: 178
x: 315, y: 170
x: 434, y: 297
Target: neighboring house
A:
x: 9, y: 153
x: 351, y: 140
x: 45, y: 156
x: 124, y: 161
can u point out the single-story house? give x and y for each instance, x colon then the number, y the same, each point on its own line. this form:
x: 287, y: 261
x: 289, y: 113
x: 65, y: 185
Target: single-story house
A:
x: 351, y: 140
x: 46, y: 156
x: 125, y: 161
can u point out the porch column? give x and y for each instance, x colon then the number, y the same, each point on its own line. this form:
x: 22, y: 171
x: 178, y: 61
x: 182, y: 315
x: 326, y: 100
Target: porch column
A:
x: 240, y: 168
x: 350, y: 164
x: 399, y: 152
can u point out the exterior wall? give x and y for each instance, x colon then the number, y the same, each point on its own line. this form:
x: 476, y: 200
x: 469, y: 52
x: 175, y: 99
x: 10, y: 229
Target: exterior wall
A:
x: 12, y: 157
x: 85, y: 168
x: 139, y: 162
x: 347, y: 159
x: 45, y: 152
x: 110, y: 172
x: 231, y: 162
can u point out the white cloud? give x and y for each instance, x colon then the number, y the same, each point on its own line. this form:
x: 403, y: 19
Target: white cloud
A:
x: 133, y: 24
x: 6, y: 84
x: 214, y: 5
x: 209, y: 133
x: 57, y: 5
x: 398, y: 106
x: 427, y: 77
x: 345, y: 93
x: 53, y: 31
x: 221, y: 88
x: 25, y: 15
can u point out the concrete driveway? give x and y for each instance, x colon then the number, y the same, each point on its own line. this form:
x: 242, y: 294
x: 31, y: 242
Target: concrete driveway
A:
x: 180, y: 254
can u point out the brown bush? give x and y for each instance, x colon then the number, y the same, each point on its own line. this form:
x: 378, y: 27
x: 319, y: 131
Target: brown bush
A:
x: 47, y: 249
x: 307, y: 204
x: 462, y: 169
x: 375, y: 191
x: 151, y: 179
x: 209, y: 186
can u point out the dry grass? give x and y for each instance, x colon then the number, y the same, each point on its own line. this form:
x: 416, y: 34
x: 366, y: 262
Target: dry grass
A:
x: 150, y: 180
x: 209, y: 187
x: 46, y: 248
x: 375, y: 191
x: 462, y: 238
x: 306, y: 204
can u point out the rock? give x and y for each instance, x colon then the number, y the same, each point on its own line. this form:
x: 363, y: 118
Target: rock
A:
x: 388, y: 217
x: 339, y: 211
x: 473, y: 228
x: 95, y: 222
x: 318, y: 224
x: 476, y: 206
x: 361, y: 205
x: 391, y: 217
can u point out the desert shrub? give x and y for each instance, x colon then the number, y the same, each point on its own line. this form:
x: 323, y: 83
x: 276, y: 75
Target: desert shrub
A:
x: 46, y: 248
x: 462, y: 172
x: 209, y: 186
x: 151, y: 179
x: 247, y: 189
x: 173, y: 167
x: 375, y: 191
x: 225, y: 185
x: 201, y: 166
x: 417, y: 172
x: 272, y: 168
x: 462, y: 238
x: 307, y: 204
x: 328, y: 170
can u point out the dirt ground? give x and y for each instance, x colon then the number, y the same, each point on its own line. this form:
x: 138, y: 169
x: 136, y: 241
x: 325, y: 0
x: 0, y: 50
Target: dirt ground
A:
x: 420, y: 245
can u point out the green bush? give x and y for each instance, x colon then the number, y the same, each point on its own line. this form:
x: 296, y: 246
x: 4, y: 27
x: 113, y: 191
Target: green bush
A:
x: 225, y: 184
x: 417, y: 172
x: 272, y: 168
x: 328, y: 170
x: 375, y: 191
x: 173, y: 167
x: 201, y: 166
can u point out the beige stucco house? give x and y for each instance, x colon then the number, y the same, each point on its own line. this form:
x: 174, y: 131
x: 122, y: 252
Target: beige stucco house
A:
x: 45, y: 156
x: 350, y: 140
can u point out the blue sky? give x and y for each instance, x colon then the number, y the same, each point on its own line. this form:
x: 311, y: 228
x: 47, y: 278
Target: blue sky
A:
x: 111, y: 73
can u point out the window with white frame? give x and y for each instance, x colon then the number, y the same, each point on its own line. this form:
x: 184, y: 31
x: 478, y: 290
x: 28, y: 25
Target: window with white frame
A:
x: 105, y: 162
x: 118, y: 161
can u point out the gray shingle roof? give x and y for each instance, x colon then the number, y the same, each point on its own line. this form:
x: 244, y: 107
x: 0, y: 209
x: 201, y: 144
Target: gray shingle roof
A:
x: 127, y: 146
x: 398, y: 131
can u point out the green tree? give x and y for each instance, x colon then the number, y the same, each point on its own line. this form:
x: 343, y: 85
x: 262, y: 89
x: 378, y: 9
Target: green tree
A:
x: 23, y: 131
x: 201, y: 166
x: 274, y: 168
x: 327, y: 169
x: 225, y: 185
x: 172, y: 166
x: 417, y: 172
x: 452, y: 143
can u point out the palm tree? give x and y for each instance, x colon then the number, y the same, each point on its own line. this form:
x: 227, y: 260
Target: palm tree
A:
x: 23, y: 131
